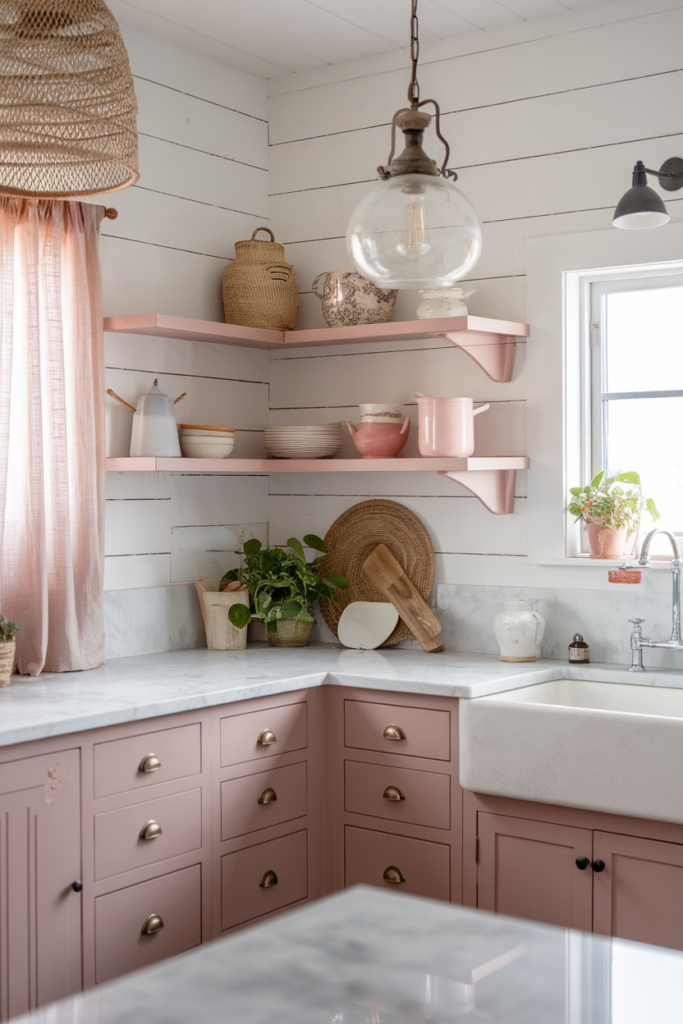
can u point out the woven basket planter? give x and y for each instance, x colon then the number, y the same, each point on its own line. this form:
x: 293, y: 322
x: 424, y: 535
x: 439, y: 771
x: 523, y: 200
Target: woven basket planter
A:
x: 260, y: 288
x: 290, y: 633
x: 7, y: 652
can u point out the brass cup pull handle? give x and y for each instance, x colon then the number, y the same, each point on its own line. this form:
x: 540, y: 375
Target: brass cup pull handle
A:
x: 267, y: 796
x: 151, y: 763
x: 152, y: 925
x: 268, y: 878
x: 392, y: 874
x: 150, y: 830
x: 266, y: 737
x: 394, y: 732
x: 393, y: 793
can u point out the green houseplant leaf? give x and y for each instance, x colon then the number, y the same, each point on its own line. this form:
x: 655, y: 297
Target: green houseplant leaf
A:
x: 336, y: 580
x: 315, y: 542
x: 297, y: 548
x: 239, y: 615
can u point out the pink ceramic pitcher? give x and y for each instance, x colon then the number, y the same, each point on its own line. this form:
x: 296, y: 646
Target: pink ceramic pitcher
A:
x: 446, y: 426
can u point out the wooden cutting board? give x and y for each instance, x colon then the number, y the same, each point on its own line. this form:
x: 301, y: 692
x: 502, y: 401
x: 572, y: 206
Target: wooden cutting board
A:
x: 387, y: 575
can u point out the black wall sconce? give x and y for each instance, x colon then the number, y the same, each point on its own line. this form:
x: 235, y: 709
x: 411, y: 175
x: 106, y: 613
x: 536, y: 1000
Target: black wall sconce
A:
x: 641, y: 206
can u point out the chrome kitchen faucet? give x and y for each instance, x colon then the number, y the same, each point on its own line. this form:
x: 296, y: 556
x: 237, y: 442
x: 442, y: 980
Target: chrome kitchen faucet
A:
x: 674, y: 643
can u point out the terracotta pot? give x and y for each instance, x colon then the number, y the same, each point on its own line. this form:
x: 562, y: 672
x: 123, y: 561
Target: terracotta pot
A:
x: 380, y: 440
x: 7, y: 652
x: 348, y: 299
x: 605, y: 543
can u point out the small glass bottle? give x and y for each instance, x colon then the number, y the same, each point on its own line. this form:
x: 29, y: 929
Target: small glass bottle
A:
x: 579, y: 650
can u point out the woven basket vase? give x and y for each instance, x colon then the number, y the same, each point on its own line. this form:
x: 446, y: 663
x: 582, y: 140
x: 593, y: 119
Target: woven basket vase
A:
x: 7, y: 652
x: 260, y: 288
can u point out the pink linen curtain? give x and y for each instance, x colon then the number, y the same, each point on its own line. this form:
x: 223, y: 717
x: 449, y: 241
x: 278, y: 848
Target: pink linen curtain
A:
x: 52, y: 432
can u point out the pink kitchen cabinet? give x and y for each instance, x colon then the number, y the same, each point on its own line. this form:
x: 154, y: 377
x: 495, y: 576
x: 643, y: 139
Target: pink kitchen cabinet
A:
x: 639, y: 893
x: 528, y: 869
x: 40, y: 858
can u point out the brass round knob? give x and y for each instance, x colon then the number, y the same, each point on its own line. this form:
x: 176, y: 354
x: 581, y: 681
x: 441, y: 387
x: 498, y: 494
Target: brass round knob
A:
x: 394, y: 732
x: 268, y: 878
x: 267, y: 796
x: 392, y: 874
x: 266, y: 737
x: 150, y: 830
x: 152, y: 925
x: 151, y: 763
x: 393, y: 793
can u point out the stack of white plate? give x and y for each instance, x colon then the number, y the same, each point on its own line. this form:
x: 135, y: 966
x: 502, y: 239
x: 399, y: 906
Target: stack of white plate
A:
x: 199, y: 441
x: 315, y: 442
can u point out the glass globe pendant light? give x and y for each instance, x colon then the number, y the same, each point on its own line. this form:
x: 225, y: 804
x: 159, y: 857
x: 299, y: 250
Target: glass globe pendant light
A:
x: 416, y: 230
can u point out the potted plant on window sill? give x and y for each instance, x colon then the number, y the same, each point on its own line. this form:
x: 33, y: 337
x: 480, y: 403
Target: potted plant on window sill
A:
x: 8, y: 647
x: 611, y: 512
x: 282, y: 589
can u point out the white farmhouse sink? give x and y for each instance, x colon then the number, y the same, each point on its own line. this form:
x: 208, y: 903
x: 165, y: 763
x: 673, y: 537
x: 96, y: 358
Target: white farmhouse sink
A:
x: 603, y: 746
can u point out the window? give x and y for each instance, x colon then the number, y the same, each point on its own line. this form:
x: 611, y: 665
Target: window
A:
x: 633, y: 384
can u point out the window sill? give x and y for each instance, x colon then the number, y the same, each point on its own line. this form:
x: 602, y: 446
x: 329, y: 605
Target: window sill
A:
x: 585, y: 561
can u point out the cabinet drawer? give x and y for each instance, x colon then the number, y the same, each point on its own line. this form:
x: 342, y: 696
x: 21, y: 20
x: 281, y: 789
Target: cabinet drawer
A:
x: 118, y: 764
x: 119, y: 845
x: 247, y: 805
x: 425, y: 866
x: 242, y: 895
x: 426, y: 795
x: 120, y: 945
x: 427, y: 733
x: 240, y: 733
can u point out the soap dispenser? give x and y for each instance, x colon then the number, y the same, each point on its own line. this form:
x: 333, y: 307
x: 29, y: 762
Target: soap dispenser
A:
x: 155, y: 428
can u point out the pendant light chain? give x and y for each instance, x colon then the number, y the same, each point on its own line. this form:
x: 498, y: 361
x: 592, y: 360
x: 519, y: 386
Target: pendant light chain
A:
x: 414, y: 88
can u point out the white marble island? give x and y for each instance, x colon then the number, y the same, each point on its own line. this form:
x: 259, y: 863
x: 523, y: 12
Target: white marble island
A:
x: 369, y: 957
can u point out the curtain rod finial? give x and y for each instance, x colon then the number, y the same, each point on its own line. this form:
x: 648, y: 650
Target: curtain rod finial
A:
x: 111, y: 213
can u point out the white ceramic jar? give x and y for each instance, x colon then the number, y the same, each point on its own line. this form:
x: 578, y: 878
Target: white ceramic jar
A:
x: 518, y: 630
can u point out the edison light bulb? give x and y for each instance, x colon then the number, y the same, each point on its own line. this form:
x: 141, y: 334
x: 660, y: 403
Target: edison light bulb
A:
x: 412, y: 243
x: 414, y: 231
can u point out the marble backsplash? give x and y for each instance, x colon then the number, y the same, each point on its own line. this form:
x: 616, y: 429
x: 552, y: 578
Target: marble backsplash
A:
x: 157, y: 619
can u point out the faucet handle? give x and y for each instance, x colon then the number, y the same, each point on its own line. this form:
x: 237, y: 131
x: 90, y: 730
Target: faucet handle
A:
x: 636, y: 621
x: 637, y: 631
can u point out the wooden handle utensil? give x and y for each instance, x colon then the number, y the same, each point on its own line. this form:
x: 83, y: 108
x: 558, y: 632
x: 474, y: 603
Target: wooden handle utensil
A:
x: 387, y: 575
x: 180, y: 398
x: 121, y: 400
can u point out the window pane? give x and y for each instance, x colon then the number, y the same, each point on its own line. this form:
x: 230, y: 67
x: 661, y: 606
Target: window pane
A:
x: 644, y: 434
x: 644, y: 332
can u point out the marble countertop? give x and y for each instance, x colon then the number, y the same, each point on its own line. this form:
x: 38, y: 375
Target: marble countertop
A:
x: 370, y: 956
x: 128, y: 689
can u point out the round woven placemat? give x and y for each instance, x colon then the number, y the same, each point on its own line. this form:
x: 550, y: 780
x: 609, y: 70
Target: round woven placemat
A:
x: 355, y: 535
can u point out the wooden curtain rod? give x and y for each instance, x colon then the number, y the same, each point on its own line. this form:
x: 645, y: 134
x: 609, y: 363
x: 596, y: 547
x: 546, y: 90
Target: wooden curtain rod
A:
x: 111, y: 213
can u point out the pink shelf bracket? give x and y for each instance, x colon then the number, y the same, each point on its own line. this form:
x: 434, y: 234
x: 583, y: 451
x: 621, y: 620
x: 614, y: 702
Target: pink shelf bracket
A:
x: 495, y: 488
x: 494, y: 353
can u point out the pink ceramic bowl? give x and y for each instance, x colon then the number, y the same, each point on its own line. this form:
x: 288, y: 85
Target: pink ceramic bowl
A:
x: 380, y: 440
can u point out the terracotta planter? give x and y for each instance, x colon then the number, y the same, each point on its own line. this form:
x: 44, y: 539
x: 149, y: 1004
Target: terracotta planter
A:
x: 290, y: 633
x: 7, y: 652
x: 380, y: 440
x: 605, y: 543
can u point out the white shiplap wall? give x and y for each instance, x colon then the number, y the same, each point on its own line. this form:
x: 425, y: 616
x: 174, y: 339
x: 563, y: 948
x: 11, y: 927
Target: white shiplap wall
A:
x: 545, y: 122
x: 203, y: 185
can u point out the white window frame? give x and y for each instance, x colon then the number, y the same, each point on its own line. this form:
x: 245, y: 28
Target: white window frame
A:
x: 559, y: 272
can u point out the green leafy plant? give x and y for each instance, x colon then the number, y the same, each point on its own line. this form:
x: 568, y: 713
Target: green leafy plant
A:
x: 8, y: 630
x: 605, y: 503
x: 281, y: 585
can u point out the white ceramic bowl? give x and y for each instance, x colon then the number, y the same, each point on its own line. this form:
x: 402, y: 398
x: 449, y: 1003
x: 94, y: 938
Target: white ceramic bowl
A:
x: 197, y: 432
x: 207, y: 448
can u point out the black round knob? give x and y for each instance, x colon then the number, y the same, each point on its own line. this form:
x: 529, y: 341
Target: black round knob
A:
x: 582, y: 863
x: 598, y: 865
x: 77, y: 886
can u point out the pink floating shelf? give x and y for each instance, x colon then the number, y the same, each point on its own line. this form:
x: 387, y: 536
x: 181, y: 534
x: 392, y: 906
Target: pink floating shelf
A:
x: 491, y: 343
x: 492, y: 480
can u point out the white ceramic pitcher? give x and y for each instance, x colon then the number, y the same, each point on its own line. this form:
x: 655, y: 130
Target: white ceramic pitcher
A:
x: 446, y: 426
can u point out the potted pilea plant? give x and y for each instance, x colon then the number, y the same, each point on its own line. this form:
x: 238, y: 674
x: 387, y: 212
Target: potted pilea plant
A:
x: 611, y: 512
x: 8, y: 646
x: 282, y: 588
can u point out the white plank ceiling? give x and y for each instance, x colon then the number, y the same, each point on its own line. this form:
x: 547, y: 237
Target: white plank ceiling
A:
x: 275, y: 37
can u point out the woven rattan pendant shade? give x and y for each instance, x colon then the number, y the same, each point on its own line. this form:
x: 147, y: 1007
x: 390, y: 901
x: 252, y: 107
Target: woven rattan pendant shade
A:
x: 67, y: 102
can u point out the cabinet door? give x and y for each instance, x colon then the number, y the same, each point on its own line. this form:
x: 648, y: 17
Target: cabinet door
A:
x: 40, y: 914
x: 528, y: 869
x: 639, y: 895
